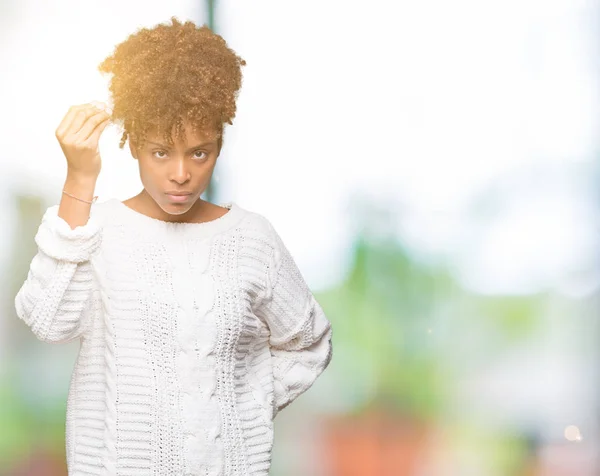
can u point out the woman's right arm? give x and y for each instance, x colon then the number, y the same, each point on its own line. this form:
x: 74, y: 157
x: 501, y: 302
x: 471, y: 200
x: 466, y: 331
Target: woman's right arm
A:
x: 55, y: 296
x: 56, y: 293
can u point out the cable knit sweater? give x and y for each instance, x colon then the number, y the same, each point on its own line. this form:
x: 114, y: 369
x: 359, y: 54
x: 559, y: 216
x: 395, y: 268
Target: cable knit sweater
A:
x: 192, y: 337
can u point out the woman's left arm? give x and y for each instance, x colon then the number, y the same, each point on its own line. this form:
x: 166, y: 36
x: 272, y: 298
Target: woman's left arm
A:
x: 301, y: 335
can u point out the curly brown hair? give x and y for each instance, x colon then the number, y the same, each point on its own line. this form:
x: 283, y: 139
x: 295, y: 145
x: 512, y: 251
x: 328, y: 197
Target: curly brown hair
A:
x: 169, y: 74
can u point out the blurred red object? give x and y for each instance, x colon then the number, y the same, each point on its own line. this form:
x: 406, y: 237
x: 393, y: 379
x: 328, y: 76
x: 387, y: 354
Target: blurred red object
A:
x: 374, y: 444
x: 41, y: 462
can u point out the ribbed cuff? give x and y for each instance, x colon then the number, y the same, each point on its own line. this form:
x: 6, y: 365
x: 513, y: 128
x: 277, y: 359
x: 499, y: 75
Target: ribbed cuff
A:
x: 56, y: 238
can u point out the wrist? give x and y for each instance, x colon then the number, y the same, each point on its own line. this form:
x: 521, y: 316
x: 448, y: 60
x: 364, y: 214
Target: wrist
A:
x: 80, y: 188
x: 81, y: 182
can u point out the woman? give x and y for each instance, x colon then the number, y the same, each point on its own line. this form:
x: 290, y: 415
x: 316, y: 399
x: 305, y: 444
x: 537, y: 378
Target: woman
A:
x: 195, y: 324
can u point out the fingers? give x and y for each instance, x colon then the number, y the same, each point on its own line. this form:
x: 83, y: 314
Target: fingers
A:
x: 64, y: 125
x: 70, y: 119
x: 91, y: 123
x: 81, y: 116
x: 80, y: 127
x: 76, y: 118
x: 94, y: 137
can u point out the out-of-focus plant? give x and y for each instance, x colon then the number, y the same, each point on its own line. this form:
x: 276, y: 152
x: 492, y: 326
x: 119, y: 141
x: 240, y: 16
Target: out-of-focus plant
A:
x: 31, y: 420
x: 397, y: 319
x: 381, y: 317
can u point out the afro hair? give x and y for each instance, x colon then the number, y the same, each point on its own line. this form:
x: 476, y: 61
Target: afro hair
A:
x: 169, y: 74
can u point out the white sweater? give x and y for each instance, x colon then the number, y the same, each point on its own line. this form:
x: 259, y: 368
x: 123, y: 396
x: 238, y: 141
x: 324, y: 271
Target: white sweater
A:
x: 192, y: 337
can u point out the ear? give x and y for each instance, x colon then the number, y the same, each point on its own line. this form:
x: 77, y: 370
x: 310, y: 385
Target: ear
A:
x: 133, y: 150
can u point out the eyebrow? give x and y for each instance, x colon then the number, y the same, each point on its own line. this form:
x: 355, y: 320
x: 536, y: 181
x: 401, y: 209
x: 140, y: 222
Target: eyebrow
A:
x: 190, y: 149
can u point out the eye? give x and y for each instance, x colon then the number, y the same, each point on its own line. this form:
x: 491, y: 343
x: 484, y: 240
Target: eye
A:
x: 159, y: 152
x: 199, y: 152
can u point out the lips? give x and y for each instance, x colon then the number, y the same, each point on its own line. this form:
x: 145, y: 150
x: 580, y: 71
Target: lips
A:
x: 179, y: 196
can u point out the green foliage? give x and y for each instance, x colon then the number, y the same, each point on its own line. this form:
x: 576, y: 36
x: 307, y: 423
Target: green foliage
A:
x: 395, y: 322
x: 23, y: 422
x: 16, y: 426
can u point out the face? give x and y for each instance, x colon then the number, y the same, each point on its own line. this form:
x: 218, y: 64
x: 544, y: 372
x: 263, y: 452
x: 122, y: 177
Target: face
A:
x: 175, y: 176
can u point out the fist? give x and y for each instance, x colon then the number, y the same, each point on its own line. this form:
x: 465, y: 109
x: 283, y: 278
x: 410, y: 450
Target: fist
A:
x: 78, y: 135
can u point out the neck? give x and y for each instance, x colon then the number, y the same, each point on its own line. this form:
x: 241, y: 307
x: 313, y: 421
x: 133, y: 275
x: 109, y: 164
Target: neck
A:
x: 146, y: 205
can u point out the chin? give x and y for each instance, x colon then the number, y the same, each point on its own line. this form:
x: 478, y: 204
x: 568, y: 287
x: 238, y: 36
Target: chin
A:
x: 176, y: 209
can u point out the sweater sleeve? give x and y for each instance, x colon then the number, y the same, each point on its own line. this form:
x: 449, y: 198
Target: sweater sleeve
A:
x: 300, y: 333
x: 54, y: 300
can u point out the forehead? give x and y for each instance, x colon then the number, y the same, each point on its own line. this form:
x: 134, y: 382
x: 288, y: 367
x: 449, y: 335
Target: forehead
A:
x: 190, y: 135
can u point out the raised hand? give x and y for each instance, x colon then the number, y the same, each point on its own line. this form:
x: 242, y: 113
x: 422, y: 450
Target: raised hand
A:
x: 79, y: 133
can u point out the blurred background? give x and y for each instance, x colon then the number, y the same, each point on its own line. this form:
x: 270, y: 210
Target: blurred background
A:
x: 432, y: 166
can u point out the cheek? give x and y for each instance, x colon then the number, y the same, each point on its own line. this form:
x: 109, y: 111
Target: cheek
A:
x: 147, y: 176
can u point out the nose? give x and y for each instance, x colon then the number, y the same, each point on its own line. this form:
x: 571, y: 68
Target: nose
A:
x: 180, y: 172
